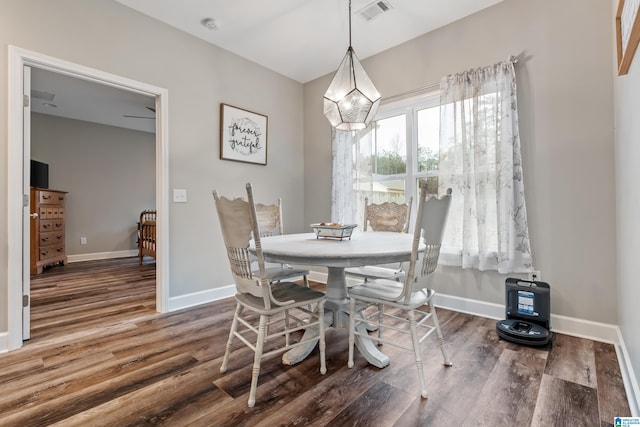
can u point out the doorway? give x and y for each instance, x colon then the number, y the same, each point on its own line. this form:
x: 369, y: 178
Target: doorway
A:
x: 18, y: 206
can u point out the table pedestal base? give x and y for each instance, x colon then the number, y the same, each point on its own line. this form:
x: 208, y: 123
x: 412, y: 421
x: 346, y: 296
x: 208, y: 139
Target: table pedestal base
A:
x: 370, y: 248
x: 337, y: 315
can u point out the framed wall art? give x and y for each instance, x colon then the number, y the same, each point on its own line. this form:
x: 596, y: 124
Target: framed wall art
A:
x: 243, y: 135
x: 627, y: 33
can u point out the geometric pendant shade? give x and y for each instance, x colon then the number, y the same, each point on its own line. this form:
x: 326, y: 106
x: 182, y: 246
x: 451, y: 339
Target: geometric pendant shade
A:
x: 351, y: 101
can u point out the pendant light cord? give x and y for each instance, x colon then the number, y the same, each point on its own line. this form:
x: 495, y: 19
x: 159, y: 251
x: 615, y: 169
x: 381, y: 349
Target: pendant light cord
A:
x: 349, y: 23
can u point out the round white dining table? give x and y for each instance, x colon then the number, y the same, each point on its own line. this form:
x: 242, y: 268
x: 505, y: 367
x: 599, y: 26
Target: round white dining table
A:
x: 364, y: 248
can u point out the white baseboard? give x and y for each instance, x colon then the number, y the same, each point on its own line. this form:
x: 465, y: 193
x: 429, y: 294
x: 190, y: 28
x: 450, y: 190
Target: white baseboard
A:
x: 4, y: 342
x: 561, y: 324
x: 102, y: 255
x: 469, y: 306
x: 628, y: 377
x: 202, y: 297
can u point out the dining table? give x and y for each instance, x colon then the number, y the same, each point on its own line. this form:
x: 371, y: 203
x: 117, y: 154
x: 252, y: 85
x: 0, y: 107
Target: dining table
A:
x: 363, y: 248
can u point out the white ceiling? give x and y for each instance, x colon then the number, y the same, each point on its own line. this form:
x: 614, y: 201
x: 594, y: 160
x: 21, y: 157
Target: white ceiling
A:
x: 92, y: 102
x: 305, y: 39
x: 301, y: 39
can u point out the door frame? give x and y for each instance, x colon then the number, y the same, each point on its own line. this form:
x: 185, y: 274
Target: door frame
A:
x: 17, y: 260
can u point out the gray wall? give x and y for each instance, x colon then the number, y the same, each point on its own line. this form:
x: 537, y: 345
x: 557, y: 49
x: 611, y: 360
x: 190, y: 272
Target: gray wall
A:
x: 565, y: 103
x: 108, y: 36
x: 627, y: 89
x: 109, y: 173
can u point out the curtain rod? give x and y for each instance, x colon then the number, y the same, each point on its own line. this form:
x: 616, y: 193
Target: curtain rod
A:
x: 513, y: 59
x: 426, y: 88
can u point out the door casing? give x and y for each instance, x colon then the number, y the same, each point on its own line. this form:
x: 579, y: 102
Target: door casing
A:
x: 18, y: 248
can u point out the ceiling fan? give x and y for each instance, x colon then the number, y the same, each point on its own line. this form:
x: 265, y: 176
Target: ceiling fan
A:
x: 143, y: 117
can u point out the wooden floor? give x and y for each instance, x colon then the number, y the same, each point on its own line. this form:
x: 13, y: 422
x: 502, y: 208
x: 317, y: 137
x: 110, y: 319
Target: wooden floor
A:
x: 100, y: 355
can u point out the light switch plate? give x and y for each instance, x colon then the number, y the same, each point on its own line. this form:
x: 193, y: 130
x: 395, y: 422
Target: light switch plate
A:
x: 179, y: 196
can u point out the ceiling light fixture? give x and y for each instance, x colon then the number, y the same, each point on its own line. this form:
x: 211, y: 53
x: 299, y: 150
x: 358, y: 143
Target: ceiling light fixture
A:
x: 209, y: 23
x: 351, y: 101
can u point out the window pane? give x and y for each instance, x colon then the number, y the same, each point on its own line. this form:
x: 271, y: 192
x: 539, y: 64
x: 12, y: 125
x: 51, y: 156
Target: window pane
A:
x: 363, y: 155
x: 428, y: 139
x: 380, y: 163
x: 390, y: 146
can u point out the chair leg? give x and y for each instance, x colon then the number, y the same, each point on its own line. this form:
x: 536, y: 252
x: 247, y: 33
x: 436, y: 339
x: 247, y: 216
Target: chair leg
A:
x: 380, y: 317
x: 322, y: 344
x: 256, y: 360
x: 436, y: 323
x: 287, y: 327
x: 352, y: 327
x: 418, y: 353
x: 234, y: 326
x: 306, y: 280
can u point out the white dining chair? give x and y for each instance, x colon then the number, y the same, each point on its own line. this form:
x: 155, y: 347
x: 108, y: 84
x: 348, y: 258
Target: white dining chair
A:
x: 412, y: 299
x: 387, y: 216
x: 270, y: 223
x: 282, y: 309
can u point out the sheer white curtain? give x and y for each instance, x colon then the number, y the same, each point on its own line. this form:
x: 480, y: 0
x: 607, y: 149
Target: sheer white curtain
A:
x: 480, y: 160
x: 342, y: 194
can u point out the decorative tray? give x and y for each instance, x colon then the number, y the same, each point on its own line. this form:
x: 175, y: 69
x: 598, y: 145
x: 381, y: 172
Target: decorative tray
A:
x: 333, y: 230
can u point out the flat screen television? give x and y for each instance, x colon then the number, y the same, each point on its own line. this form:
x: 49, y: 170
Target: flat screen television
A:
x: 39, y: 174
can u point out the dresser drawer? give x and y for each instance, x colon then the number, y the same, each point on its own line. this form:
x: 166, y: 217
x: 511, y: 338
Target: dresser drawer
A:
x: 51, y: 238
x: 51, y: 225
x: 51, y: 197
x: 51, y: 212
x: 52, y: 251
x: 46, y: 225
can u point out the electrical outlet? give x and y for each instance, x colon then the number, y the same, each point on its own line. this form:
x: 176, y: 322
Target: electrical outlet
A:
x: 83, y: 240
x: 179, y: 196
x: 535, y: 275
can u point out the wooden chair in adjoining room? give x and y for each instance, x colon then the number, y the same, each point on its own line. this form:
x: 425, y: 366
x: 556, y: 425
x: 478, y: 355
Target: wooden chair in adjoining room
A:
x: 412, y: 299
x: 387, y: 216
x: 147, y: 234
x: 283, y: 308
x: 270, y: 223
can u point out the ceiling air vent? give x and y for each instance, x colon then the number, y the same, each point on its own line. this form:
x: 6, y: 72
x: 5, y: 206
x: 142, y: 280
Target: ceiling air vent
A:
x: 374, y: 9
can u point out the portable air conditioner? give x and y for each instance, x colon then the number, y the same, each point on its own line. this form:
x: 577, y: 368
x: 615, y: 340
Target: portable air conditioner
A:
x: 528, y: 312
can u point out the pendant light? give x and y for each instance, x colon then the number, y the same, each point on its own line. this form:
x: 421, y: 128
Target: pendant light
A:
x: 351, y: 101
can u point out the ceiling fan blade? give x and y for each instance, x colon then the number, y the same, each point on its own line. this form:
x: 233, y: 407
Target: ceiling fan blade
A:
x: 138, y: 117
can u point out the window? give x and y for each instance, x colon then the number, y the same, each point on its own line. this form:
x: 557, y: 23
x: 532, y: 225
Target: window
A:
x: 395, y: 152
x: 465, y: 137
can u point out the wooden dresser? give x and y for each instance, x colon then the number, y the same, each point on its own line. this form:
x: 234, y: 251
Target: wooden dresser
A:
x: 47, y: 230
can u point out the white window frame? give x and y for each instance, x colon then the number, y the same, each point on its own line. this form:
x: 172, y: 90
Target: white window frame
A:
x: 409, y: 107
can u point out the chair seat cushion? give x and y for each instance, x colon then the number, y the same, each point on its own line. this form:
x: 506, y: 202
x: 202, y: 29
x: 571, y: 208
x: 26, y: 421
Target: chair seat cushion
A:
x: 375, y: 271
x: 284, y: 291
x: 389, y: 290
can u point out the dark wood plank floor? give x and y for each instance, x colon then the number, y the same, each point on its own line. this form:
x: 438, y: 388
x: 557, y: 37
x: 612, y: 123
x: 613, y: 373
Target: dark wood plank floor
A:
x: 100, y: 355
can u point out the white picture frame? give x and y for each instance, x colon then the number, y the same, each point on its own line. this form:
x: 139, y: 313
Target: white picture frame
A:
x: 243, y: 135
